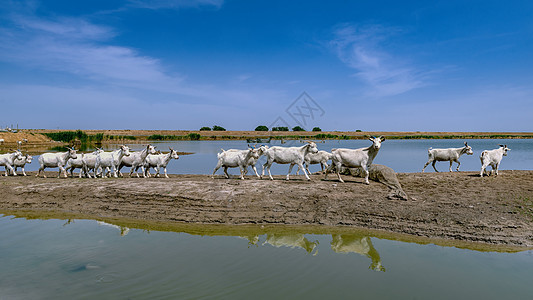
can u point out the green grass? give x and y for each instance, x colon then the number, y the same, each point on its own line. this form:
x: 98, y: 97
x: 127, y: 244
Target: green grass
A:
x: 159, y: 137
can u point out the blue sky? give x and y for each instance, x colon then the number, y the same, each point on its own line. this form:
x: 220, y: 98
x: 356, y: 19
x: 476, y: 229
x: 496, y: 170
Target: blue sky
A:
x: 183, y: 64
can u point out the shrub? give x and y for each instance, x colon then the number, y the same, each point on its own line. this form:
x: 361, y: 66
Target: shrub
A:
x: 205, y: 128
x: 99, y: 137
x: 193, y: 136
x: 159, y: 137
x: 321, y: 136
x: 280, y: 128
x: 66, y: 136
x: 218, y: 128
x: 317, y: 129
x: 82, y: 136
x: 261, y: 128
x: 358, y: 130
x: 298, y: 128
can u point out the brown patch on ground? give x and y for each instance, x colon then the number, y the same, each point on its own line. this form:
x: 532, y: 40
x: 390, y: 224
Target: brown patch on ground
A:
x: 11, y: 138
x: 457, y: 206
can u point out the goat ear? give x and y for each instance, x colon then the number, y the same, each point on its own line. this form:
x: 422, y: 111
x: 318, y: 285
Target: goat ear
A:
x: 501, y: 145
x: 466, y: 144
x: 382, y: 138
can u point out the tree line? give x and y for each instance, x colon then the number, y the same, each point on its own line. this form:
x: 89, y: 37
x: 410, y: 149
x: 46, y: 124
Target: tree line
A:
x: 260, y: 128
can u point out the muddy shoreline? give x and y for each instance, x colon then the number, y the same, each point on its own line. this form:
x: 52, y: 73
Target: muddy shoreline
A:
x: 447, y: 206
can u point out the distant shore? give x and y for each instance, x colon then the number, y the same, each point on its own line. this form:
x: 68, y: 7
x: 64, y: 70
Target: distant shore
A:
x: 37, y: 136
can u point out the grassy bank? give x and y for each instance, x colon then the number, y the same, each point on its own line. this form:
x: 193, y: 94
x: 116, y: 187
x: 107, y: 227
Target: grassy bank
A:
x: 140, y: 136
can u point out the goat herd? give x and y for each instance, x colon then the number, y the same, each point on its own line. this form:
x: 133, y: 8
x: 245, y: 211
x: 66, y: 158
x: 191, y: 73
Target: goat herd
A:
x: 102, y: 162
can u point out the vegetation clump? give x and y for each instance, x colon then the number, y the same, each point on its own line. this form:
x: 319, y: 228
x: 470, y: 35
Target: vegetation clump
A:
x: 159, y: 137
x: 261, y: 128
x: 67, y: 136
x: 205, y: 128
x: 322, y: 136
x: 317, y: 129
x: 280, y: 128
x: 218, y: 128
x: 193, y: 136
x: 298, y: 128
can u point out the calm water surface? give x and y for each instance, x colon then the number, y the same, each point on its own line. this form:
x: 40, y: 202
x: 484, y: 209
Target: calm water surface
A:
x: 56, y: 259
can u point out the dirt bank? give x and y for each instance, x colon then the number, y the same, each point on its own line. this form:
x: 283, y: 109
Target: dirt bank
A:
x: 29, y: 138
x: 240, y: 134
x: 459, y: 206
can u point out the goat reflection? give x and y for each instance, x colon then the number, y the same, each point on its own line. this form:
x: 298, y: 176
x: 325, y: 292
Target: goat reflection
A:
x: 340, y: 243
x: 360, y: 244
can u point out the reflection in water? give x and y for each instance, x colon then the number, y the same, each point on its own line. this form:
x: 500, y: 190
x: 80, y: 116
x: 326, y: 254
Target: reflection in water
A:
x: 123, y: 230
x: 346, y: 243
x: 39, y: 258
x: 252, y: 240
x: 292, y: 241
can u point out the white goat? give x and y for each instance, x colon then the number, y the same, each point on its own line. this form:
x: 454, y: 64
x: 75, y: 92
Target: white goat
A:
x: 355, y: 158
x: 136, y: 160
x: 158, y: 161
x: 56, y: 160
x: 234, y: 158
x: 26, y: 159
x: 288, y: 155
x: 106, y: 160
x: 80, y: 162
x: 321, y: 157
x: 8, y: 160
x: 253, y: 161
x: 492, y: 158
x: 89, y: 162
x: 2, y: 141
x: 74, y: 163
x: 449, y: 154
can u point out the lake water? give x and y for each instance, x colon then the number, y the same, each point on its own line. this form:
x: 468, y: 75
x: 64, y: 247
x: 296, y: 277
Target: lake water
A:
x: 85, y: 259
x: 401, y: 155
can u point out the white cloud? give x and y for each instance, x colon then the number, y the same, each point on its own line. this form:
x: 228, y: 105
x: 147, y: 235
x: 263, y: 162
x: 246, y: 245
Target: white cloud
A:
x: 78, y: 47
x: 174, y: 4
x: 363, y: 48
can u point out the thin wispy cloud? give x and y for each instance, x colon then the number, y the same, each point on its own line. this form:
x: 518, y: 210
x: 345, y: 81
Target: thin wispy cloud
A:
x: 87, y: 51
x: 174, y: 4
x: 78, y: 47
x: 364, y: 49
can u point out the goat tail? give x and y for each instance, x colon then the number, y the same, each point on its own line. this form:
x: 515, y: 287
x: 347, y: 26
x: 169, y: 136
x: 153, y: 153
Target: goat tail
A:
x: 221, y: 153
x: 334, y: 149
